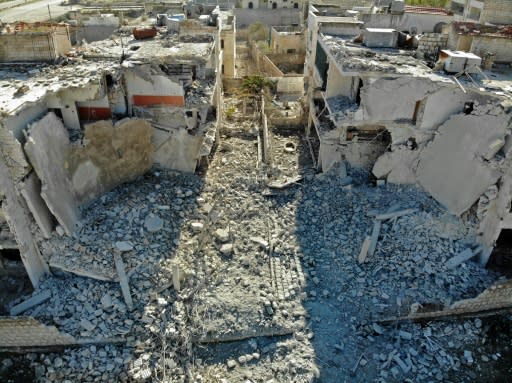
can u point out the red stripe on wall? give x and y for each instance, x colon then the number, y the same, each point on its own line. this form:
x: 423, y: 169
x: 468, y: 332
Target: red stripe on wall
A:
x: 140, y: 100
x: 94, y: 113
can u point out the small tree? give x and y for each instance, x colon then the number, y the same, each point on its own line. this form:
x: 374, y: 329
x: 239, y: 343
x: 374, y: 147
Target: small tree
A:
x: 253, y: 85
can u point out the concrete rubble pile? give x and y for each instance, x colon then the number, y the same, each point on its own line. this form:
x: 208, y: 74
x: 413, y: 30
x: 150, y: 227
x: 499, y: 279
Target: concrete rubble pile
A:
x: 266, y: 265
x: 175, y: 234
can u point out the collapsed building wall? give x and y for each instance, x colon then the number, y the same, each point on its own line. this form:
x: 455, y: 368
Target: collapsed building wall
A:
x: 95, y: 28
x: 458, y: 177
x: 145, y: 86
x: 55, y: 162
x: 48, y: 148
x: 448, y: 137
x: 496, y: 12
x: 110, y: 155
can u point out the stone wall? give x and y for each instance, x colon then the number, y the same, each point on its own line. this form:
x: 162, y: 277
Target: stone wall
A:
x: 42, y: 46
x: 500, y: 46
x: 112, y: 155
x: 431, y: 43
x: 496, y: 12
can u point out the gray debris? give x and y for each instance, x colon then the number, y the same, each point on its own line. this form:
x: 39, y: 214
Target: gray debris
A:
x: 153, y: 223
x: 124, y: 246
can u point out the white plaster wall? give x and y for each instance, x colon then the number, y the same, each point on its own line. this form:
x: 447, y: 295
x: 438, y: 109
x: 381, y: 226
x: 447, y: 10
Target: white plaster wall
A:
x: 338, y: 85
x: 451, y: 167
x: 140, y: 82
x: 422, y: 23
x: 176, y: 149
x: 18, y: 123
x: 445, y: 102
x: 100, y: 103
x: 501, y: 47
x: 389, y: 99
x: 363, y: 154
x: 397, y: 166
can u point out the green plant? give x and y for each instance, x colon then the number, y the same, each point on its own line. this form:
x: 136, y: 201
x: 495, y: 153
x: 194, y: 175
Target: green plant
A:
x: 230, y: 111
x: 255, y: 84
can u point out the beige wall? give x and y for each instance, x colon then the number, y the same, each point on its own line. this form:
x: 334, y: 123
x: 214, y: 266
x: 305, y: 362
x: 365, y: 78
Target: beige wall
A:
x: 338, y: 85
x: 284, y: 42
x: 502, y: 47
x: 40, y: 46
x: 229, y: 52
x: 497, y: 12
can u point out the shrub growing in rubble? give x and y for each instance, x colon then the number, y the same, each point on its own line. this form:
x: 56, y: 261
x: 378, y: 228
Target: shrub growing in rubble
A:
x: 255, y: 84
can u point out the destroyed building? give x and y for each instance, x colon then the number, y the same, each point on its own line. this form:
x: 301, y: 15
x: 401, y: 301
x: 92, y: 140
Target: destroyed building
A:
x: 192, y: 203
x: 108, y: 116
x: 406, y: 138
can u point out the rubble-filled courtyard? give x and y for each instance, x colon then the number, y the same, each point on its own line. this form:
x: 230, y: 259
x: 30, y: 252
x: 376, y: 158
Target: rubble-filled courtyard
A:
x: 270, y: 286
x: 256, y: 192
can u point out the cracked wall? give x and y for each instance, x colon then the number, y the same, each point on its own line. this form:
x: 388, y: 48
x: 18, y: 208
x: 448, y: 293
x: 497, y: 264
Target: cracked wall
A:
x: 110, y: 156
x: 48, y: 148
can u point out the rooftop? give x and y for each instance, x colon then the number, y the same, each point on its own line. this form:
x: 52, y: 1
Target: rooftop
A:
x: 30, y: 83
x: 23, y: 83
x: 39, y: 27
x: 165, y: 47
x: 427, y: 10
x: 475, y: 29
x: 354, y: 57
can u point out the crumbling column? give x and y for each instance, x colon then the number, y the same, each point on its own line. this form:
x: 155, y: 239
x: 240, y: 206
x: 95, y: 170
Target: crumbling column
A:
x: 19, y: 222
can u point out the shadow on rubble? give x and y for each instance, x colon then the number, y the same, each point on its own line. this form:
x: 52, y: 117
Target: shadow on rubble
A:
x: 342, y: 297
x: 142, y: 221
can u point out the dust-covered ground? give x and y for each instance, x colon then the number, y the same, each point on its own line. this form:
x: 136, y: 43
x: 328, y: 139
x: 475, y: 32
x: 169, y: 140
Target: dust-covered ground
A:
x: 270, y: 289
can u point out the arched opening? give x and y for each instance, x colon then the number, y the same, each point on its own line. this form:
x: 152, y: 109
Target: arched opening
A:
x: 250, y: 5
x: 296, y: 5
x: 438, y: 28
x: 274, y: 5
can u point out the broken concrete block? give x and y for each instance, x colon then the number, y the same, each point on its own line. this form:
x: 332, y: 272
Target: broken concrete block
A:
x: 260, y: 241
x: 364, y: 250
x: 123, y: 281
x: 31, y: 192
x: 395, y: 214
x: 176, y: 276
x: 124, y: 246
x: 405, y: 368
x: 106, y: 301
x: 462, y: 257
x: 374, y: 237
x: 405, y: 335
x: 222, y: 235
x: 87, y: 325
x: 226, y: 248
x: 153, y: 223
x: 60, y: 231
x: 397, y: 166
x: 31, y: 302
x: 457, y: 178
x: 196, y: 227
x: 48, y: 148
